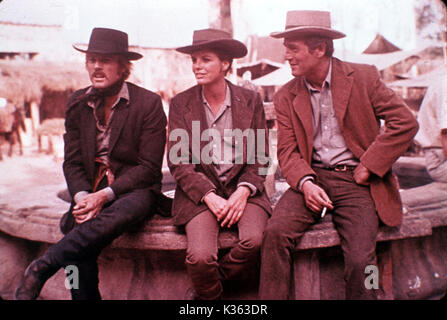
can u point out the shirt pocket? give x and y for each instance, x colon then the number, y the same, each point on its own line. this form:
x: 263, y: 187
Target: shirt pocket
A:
x: 336, y: 140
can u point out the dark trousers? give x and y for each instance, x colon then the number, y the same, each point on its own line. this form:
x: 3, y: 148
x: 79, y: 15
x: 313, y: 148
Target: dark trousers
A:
x: 355, y: 219
x: 202, y: 264
x: 82, y: 245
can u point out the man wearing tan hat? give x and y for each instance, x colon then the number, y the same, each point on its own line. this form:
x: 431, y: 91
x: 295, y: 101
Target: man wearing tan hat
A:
x: 114, y: 144
x: 333, y: 154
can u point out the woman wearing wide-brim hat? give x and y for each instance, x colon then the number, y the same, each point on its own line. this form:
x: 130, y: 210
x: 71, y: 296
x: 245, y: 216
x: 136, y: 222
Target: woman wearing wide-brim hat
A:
x: 218, y: 185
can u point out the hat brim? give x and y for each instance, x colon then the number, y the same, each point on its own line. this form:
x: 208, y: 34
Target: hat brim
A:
x: 306, y: 31
x: 128, y: 54
x: 233, y: 47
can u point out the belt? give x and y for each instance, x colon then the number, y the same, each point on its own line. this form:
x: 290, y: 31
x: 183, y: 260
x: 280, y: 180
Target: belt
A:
x: 339, y: 168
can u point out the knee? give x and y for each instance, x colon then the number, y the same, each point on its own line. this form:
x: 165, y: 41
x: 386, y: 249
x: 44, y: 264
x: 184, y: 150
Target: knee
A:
x: 274, y: 235
x: 252, y: 243
x: 200, y: 258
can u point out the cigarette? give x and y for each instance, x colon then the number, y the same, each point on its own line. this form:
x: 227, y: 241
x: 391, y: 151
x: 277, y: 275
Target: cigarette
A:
x: 323, y: 212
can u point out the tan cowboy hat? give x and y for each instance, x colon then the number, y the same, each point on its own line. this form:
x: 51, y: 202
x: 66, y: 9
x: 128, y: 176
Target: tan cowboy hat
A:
x: 308, y: 22
x: 109, y: 41
x: 217, y: 39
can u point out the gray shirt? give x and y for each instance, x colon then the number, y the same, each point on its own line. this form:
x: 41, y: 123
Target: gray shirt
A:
x: 330, y: 148
x: 223, y: 120
x: 223, y: 158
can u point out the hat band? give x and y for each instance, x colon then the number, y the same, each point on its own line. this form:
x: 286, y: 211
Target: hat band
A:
x: 106, y: 46
x: 306, y: 26
x: 196, y: 42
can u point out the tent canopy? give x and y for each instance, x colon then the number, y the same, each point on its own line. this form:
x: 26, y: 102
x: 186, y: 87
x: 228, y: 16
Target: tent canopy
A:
x: 380, y: 45
x: 422, y: 80
x: 258, y: 68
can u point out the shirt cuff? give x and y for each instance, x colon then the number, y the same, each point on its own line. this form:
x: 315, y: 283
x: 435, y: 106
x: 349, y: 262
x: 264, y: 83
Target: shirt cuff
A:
x: 212, y: 190
x: 78, y: 196
x: 252, y: 188
x: 109, y: 193
x: 304, y: 179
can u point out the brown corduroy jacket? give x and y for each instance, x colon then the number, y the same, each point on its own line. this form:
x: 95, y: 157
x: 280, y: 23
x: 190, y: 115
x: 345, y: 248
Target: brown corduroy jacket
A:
x: 360, y: 101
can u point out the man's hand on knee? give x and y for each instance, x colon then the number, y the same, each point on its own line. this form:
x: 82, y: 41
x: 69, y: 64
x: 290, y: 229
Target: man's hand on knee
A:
x: 89, y: 206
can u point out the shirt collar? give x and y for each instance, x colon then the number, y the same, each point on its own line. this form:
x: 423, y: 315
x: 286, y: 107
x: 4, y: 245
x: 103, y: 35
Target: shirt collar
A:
x: 227, y: 101
x: 123, y: 94
x: 326, y: 82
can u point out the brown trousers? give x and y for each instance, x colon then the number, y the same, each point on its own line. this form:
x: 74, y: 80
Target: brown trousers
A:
x: 355, y: 219
x: 203, y: 267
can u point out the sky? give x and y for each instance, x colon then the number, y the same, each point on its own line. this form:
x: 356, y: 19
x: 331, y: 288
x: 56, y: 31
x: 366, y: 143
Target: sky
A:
x: 170, y: 23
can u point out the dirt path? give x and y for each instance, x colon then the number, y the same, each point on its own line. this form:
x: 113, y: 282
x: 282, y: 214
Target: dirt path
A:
x: 29, y: 179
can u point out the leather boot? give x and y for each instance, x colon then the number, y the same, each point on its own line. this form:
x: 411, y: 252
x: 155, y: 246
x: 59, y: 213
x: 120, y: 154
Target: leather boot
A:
x: 37, y: 273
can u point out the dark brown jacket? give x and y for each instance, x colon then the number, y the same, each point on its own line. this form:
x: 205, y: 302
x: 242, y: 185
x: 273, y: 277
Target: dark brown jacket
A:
x: 137, y: 142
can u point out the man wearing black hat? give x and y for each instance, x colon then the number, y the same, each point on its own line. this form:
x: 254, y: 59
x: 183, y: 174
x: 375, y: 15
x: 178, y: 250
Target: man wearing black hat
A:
x: 114, y: 144
x: 333, y: 154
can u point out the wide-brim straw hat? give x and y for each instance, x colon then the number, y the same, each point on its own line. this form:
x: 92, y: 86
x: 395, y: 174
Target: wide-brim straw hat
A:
x: 109, y: 41
x: 215, y: 39
x: 301, y: 23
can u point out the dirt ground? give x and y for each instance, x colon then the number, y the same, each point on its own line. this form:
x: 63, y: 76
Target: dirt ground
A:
x: 30, y: 178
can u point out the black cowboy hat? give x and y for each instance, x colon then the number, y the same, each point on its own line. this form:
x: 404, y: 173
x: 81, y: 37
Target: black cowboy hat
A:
x: 215, y: 39
x: 110, y: 41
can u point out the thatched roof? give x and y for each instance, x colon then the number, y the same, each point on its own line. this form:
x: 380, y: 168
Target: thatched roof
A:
x: 25, y: 81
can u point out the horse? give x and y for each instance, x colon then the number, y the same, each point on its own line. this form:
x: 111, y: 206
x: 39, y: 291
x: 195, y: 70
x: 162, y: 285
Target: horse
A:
x: 11, y: 122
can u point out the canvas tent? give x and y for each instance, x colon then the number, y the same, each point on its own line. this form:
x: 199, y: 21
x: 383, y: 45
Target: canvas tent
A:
x: 258, y: 68
x: 380, y: 45
x: 275, y: 78
x: 422, y: 80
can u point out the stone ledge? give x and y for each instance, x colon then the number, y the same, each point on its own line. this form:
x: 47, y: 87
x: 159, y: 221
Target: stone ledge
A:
x: 41, y: 224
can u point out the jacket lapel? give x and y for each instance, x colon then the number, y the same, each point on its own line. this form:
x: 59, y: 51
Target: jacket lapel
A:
x: 89, y: 127
x: 303, y: 109
x: 194, y: 112
x: 242, y: 115
x: 119, y: 118
x: 341, y: 88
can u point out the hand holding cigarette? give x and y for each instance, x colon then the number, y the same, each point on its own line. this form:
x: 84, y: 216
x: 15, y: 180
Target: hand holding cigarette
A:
x: 316, y: 198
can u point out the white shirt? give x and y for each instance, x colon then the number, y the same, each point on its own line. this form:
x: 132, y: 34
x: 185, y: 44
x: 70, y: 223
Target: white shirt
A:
x: 432, y: 116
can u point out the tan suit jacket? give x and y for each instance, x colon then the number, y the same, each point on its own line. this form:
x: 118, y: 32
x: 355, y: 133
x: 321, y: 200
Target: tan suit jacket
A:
x: 360, y: 101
